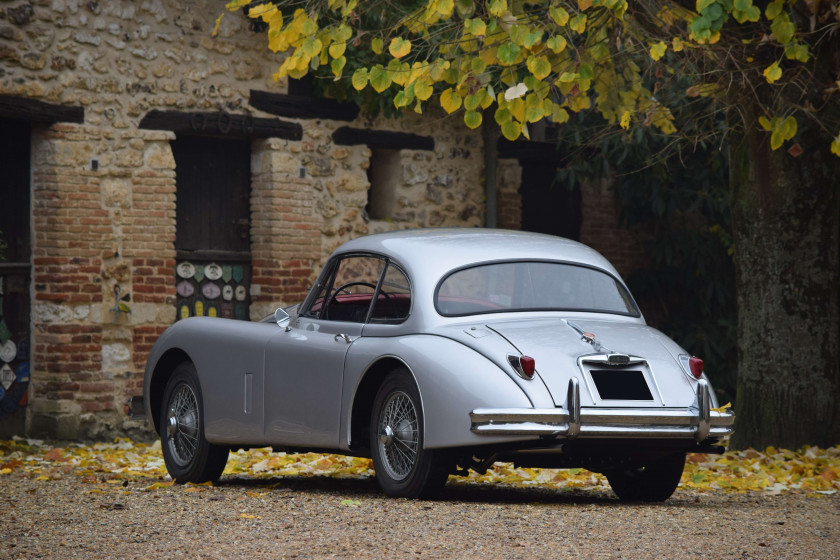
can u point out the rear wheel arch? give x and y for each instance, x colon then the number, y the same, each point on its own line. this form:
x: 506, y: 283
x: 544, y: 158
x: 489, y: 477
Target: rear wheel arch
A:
x: 164, y: 368
x: 364, y: 398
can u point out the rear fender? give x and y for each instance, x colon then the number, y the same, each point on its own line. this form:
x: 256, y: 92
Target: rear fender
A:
x: 453, y: 380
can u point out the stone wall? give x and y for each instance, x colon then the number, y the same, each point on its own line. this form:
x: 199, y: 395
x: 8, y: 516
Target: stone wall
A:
x: 104, y: 191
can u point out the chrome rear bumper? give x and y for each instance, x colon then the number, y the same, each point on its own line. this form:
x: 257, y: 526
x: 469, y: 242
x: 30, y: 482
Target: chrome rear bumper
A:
x: 697, y: 422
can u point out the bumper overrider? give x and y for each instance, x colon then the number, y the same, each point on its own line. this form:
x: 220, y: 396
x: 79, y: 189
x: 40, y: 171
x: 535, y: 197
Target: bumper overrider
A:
x: 698, y: 421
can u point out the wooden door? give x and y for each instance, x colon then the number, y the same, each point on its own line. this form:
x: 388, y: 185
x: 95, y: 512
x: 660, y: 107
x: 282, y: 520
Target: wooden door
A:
x: 213, y: 178
x: 15, y: 265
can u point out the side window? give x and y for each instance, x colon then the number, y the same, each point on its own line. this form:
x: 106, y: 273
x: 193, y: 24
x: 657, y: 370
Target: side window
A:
x: 394, y: 300
x: 347, y: 291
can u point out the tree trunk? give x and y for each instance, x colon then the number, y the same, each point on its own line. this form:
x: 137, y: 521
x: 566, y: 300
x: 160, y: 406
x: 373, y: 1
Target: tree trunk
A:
x: 785, y: 216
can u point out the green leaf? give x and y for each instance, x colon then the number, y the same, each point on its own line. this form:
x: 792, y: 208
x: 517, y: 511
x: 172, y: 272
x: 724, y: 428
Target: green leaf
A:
x: 658, y: 50
x: 511, y: 130
x: 423, y: 90
x: 399, y: 47
x: 502, y: 116
x: 508, y: 54
x: 539, y: 66
x: 578, y: 23
x: 703, y: 4
x: 743, y: 5
x: 557, y: 43
x: 782, y: 28
x: 475, y: 27
x: 379, y: 78
x: 774, y: 9
x: 472, y: 119
x: 337, y: 65
x: 376, y: 45
x: 471, y: 102
x: 360, y: 79
x: 772, y: 72
x: 559, y: 15
x: 450, y: 101
x: 497, y: 8
x: 765, y: 124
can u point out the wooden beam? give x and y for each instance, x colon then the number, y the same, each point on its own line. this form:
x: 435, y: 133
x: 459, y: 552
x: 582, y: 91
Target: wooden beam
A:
x: 525, y: 150
x: 347, y: 136
x: 34, y: 111
x: 302, y: 106
x: 220, y: 123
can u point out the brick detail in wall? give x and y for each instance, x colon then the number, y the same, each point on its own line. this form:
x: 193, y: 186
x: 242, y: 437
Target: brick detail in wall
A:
x: 69, y: 361
x: 97, y: 226
x: 285, y: 232
x: 601, y: 211
x: 508, y: 199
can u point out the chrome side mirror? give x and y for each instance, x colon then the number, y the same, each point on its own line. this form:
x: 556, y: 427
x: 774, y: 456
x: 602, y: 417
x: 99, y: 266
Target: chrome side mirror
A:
x: 281, y: 317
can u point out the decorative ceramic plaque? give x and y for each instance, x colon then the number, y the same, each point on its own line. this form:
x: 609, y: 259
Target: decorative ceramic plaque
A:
x: 185, y: 288
x: 185, y: 270
x: 227, y: 293
x: 213, y: 271
x: 210, y: 290
x: 8, y: 351
x: 7, y: 376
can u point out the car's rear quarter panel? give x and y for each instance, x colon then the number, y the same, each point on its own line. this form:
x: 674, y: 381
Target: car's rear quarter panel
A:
x: 452, y: 378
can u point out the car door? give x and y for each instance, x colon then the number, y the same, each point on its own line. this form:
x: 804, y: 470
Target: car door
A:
x: 305, y: 365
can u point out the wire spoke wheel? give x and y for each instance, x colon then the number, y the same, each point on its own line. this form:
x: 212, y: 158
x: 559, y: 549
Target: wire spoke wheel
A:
x: 403, y: 467
x: 189, y: 457
x: 182, y: 425
x: 398, y: 435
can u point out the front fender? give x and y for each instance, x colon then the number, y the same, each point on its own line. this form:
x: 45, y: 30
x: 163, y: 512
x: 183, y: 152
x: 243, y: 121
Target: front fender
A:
x: 453, y: 381
x: 229, y: 357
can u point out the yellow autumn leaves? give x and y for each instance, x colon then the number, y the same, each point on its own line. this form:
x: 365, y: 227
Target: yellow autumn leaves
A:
x: 556, y: 56
x: 809, y: 470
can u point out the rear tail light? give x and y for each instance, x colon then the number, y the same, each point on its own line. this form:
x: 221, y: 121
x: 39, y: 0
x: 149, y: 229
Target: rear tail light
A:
x: 528, y: 365
x: 696, y: 366
x: 525, y: 366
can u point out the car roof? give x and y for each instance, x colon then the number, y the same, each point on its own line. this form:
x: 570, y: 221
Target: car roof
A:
x: 433, y: 252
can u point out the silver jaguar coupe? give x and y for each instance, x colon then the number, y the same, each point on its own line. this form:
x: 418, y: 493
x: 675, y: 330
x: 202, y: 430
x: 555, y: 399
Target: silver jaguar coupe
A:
x: 438, y: 351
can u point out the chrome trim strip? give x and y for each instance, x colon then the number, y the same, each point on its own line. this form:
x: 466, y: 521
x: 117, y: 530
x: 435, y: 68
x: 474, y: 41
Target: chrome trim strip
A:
x: 604, y: 360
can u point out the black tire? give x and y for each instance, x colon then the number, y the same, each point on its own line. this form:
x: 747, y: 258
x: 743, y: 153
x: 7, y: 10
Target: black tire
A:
x: 189, y: 457
x: 404, y: 469
x: 653, y: 483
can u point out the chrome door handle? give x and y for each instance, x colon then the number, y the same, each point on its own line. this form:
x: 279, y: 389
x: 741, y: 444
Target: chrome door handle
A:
x: 344, y: 337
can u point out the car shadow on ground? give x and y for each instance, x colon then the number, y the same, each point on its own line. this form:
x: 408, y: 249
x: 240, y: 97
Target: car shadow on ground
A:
x: 366, y: 488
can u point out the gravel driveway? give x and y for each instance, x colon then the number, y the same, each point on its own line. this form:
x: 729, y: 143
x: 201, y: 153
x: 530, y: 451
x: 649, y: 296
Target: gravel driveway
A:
x: 69, y: 516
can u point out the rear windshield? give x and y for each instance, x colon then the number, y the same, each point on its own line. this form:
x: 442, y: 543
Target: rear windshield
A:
x: 528, y: 286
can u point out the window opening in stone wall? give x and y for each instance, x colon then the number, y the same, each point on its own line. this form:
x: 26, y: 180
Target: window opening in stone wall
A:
x: 548, y: 206
x: 15, y: 266
x: 384, y: 175
x: 212, y: 240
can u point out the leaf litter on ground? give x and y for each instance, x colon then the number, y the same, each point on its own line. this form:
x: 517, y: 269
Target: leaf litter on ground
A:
x: 810, y: 470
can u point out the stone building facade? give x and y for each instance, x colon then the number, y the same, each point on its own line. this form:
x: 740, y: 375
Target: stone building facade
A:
x: 114, y: 104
